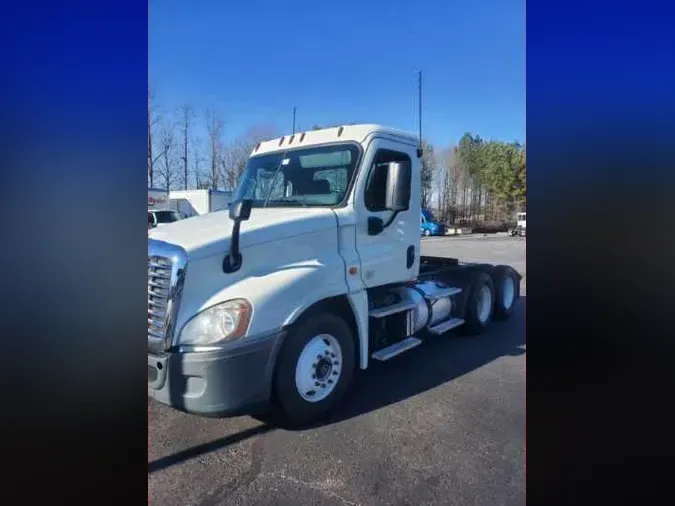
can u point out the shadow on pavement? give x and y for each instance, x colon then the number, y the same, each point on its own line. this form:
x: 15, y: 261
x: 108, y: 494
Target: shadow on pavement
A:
x: 438, y: 361
x: 196, y: 451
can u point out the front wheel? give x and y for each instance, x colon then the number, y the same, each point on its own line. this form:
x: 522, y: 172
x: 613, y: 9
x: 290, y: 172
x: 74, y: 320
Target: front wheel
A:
x: 315, y: 369
x: 427, y: 233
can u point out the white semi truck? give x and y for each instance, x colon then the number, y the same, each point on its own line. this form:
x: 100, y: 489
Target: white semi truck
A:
x: 314, y: 272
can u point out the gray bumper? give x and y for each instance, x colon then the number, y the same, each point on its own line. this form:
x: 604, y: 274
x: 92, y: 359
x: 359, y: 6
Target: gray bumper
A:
x: 226, y: 382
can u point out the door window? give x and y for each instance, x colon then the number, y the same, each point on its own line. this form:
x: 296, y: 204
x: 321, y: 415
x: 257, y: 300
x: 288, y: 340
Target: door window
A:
x: 376, y: 185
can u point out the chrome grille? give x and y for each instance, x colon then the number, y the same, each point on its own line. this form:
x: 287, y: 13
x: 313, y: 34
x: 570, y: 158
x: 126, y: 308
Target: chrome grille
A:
x: 166, y: 273
x: 159, y: 287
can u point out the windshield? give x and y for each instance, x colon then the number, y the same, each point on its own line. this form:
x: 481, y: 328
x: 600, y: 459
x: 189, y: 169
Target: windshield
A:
x: 311, y: 177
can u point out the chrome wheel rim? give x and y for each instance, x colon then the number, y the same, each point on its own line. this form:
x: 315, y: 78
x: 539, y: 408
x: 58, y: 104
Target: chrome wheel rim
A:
x: 319, y: 367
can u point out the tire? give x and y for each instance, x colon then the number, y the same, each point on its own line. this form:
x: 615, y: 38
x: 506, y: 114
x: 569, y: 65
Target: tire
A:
x: 298, y: 360
x: 507, y: 291
x: 477, y: 317
x: 427, y: 233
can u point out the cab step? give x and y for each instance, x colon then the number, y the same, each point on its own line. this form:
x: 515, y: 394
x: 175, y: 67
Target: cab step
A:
x: 396, y: 349
x: 399, y: 307
x: 446, y: 292
x: 445, y: 326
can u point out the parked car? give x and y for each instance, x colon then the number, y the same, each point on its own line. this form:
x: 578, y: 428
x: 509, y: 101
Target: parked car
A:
x: 163, y: 217
x: 428, y: 225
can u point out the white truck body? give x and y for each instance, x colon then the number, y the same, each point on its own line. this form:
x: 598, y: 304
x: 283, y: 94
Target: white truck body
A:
x: 157, y: 199
x: 521, y: 220
x: 198, y: 202
x: 325, y: 245
x: 159, y: 208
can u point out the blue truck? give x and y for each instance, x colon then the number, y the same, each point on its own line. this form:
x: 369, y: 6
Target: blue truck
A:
x: 428, y: 225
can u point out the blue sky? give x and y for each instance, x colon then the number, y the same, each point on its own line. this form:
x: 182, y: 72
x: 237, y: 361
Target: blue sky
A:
x: 343, y: 62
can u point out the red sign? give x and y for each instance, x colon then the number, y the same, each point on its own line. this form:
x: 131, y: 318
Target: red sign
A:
x: 152, y: 201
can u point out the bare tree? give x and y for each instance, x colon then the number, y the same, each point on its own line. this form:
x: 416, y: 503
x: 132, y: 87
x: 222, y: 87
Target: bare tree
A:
x: 168, y: 170
x: 201, y: 176
x: 237, y: 153
x: 451, y: 184
x: 153, y: 119
x: 214, y: 127
x: 186, y: 118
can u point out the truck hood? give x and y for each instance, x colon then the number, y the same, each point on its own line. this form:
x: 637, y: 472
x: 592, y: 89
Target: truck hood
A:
x: 209, y: 234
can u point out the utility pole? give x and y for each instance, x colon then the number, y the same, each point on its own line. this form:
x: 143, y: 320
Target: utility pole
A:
x: 185, y: 148
x: 420, y: 149
x: 294, y: 120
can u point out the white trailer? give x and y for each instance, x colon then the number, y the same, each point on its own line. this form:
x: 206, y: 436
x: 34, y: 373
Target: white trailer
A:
x: 313, y: 273
x: 159, y: 209
x: 198, y: 202
x: 157, y: 199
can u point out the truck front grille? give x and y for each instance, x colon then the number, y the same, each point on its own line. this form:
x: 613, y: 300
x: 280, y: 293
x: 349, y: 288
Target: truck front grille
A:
x: 166, y: 273
x: 159, y: 286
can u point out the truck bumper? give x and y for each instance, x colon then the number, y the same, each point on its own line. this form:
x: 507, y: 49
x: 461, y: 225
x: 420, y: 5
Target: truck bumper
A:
x: 226, y: 382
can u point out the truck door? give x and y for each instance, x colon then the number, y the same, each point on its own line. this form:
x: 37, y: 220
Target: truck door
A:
x: 393, y: 254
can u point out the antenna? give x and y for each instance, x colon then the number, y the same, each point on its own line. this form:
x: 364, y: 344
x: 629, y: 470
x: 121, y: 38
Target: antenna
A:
x: 420, y: 150
x: 294, y: 120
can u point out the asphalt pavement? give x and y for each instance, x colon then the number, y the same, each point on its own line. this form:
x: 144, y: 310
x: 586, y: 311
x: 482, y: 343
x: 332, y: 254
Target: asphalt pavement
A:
x: 441, y: 424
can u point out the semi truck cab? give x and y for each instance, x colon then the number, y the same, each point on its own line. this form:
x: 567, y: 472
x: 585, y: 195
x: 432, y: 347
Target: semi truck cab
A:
x: 313, y: 272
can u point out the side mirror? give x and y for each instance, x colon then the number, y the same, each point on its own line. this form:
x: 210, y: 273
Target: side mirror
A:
x: 241, y: 210
x: 397, y: 197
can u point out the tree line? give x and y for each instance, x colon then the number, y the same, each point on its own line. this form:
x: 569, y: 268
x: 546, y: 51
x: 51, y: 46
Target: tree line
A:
x: 179, y: 157
x: 475, y: 182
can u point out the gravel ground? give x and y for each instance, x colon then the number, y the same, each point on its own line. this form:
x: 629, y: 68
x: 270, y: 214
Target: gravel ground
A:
x: 441, y: 424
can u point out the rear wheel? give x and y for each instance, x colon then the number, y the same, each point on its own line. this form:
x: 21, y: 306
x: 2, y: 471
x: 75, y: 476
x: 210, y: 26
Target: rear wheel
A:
x: 315, y: 369
x: 507, y: 290
x: 427, y: 232
x: 479, y: 303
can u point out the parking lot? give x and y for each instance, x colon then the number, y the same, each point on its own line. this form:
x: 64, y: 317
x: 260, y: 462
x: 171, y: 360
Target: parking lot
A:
x: 441, y: 424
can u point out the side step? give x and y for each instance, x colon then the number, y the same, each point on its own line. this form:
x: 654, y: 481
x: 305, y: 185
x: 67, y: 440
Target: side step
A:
x: 445, y: 326
x: 399, y: 307
x: 447, y: 292
x: 396, y: 349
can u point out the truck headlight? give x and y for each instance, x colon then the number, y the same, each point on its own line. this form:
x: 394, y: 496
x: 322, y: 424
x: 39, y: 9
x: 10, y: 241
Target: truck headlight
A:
x: 223, y: 322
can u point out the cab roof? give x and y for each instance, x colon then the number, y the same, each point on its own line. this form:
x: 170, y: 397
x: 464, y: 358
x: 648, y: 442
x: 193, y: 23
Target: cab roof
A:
x: 340, y: 133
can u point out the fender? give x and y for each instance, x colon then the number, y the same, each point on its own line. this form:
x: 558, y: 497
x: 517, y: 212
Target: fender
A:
x: 279, y: 291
